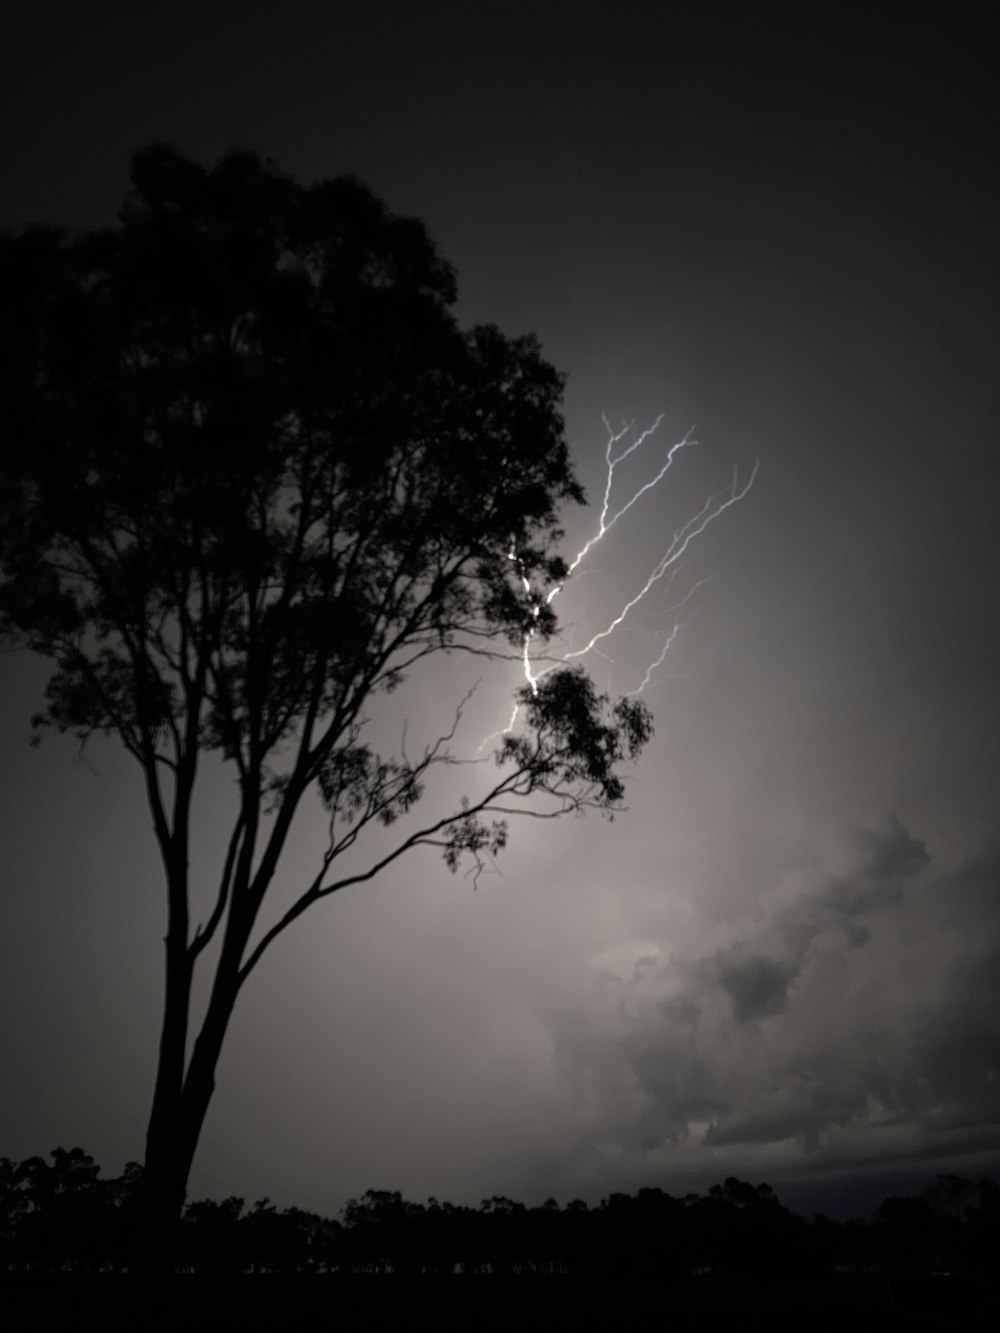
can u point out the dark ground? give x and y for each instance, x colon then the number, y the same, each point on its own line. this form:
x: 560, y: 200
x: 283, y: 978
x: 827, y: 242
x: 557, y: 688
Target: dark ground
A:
x: 484, y: 1302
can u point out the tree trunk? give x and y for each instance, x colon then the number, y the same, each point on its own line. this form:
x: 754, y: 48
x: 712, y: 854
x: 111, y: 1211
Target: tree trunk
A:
x: 182, y: 1094
x: 149, y: 1295
x: 164, y: 1181
x: 180, y: 1104
x: 171, y: 1143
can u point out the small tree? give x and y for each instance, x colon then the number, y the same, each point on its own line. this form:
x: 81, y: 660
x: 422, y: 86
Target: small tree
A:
x: 254, y: 474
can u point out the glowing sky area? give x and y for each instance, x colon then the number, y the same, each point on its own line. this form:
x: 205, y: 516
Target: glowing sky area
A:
x: 783, y: 962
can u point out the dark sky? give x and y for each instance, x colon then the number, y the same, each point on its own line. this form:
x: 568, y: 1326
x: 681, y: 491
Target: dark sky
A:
x: 784, y: 961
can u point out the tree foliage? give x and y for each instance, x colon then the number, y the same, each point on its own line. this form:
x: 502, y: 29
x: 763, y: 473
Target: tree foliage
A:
x: 258, y: 472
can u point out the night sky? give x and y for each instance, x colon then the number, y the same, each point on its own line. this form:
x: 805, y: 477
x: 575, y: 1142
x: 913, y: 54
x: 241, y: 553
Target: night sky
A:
x: 783, y: 962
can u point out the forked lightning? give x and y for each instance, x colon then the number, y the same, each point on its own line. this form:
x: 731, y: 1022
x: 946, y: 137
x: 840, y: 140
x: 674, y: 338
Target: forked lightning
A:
x: 714, y: 506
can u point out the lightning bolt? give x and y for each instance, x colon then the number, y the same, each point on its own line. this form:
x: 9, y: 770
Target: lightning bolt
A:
x: 670, y: 637
x: 605, y: 524
x: 713, y: 507
x: 659, y: 661
x: 682, y: 539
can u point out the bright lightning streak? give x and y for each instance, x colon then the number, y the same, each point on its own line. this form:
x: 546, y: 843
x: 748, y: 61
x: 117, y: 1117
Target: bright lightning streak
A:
x: 604, y: 523
x: 682, y: 539
x: 714, y: 506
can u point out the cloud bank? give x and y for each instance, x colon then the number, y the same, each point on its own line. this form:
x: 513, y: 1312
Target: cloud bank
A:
x: 852, y: 1016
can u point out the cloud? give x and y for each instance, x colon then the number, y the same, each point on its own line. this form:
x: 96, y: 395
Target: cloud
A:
x: 874, y: 855
x: 855, y: 1010
x: 756, y: 985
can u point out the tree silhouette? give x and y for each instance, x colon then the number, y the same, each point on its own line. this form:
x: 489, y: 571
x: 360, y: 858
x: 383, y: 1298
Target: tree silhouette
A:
x: 255, y: 475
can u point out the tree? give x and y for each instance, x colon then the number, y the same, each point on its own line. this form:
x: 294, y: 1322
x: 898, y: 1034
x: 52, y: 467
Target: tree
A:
x: 255, y: 475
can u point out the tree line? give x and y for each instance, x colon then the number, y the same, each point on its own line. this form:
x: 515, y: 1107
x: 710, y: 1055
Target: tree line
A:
x: 61, y: 1216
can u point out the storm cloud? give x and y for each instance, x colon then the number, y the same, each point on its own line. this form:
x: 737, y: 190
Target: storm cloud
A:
x: 852, y: 1011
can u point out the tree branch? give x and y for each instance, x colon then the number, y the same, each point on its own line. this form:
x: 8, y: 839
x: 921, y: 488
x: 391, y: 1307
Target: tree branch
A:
x: 422, y: 837
x: 203, y: 937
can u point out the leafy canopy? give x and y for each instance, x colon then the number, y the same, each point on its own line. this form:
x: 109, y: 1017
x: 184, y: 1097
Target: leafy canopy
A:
x: 255, y: 471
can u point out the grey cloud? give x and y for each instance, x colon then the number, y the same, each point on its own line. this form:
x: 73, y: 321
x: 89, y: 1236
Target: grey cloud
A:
x: 756, y: 984
x: 775, y: 1126
x: 855, y: 1010
x: 885, y: 851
